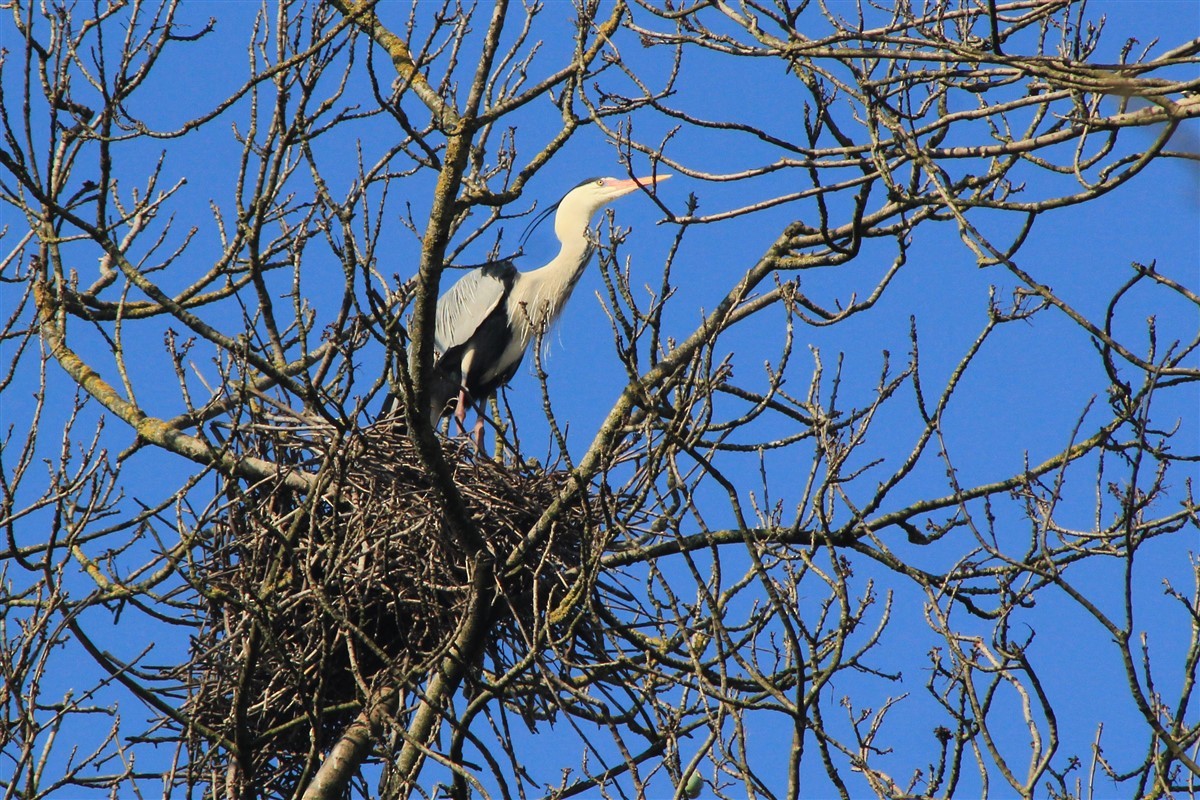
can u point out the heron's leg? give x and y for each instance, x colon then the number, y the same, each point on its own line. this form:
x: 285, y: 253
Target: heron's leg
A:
x: 460, y: 412
x: 477, y: 434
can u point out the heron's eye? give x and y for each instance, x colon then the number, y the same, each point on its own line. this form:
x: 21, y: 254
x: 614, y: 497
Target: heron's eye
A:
x: 599, y: 181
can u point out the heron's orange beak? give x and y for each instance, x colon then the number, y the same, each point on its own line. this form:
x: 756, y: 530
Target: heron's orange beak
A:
x: 622, y: 188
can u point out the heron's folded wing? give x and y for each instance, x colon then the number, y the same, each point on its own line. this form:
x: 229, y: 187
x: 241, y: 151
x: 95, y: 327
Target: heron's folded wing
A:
x: 464, y: 308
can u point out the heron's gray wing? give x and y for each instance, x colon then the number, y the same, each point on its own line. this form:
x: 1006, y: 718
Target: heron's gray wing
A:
x: 470, y: 300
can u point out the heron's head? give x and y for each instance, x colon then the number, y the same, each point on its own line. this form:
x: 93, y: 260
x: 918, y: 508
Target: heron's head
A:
x: 578, y: 206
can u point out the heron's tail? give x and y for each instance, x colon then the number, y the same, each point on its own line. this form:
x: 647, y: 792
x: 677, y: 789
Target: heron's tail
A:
x: 443, y: 389
x: 439, y: 402
x: 392, y: 407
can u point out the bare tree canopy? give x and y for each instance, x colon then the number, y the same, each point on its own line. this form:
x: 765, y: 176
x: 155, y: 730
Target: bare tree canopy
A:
x: 862, y: 464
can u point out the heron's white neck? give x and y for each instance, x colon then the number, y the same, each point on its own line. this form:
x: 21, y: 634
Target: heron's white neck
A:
x: 538, y: 296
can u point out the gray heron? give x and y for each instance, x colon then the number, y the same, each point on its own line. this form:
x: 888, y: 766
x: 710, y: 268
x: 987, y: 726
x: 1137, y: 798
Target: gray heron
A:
x: 487, y: 319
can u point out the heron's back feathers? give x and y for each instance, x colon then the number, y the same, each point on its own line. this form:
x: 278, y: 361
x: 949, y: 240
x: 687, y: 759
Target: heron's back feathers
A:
x: 472, y: 298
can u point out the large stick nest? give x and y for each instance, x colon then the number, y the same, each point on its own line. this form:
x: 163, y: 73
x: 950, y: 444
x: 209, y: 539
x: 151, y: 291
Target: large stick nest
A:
x: 314, y: 600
